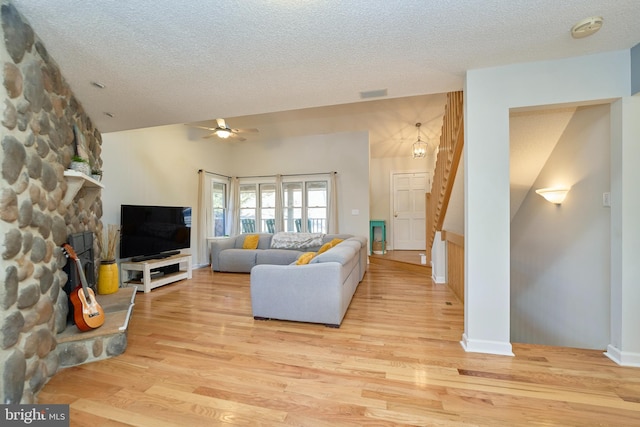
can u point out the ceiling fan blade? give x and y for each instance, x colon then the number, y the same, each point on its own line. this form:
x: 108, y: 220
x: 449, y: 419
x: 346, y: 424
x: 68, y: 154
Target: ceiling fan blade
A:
x: 221, y: 123
x: 237, y: 137
x: 203, y: 127
x: 211, y: 135
x: 252, y: 130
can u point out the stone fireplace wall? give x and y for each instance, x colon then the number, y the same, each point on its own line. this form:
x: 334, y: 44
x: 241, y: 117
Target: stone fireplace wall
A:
x: 37, y: 112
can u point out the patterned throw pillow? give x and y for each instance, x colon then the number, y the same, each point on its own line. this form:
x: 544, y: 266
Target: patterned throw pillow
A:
x: 251, y: 241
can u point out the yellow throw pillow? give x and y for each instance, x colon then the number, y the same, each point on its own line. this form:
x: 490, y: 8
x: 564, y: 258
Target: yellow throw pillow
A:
x: 335, y: 241
x: 251, y: 241
x: 325, y: 248
x: 305, y: 258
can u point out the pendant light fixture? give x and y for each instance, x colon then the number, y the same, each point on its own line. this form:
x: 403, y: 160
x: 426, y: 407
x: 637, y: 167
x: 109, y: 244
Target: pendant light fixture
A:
x: 419, y: 148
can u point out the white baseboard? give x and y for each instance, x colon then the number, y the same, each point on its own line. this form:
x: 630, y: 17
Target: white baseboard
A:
x: 623, y: 358
x: 483, y: 346
x: 438, y: 280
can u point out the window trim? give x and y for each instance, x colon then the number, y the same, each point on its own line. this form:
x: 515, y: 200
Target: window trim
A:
x: 209, y: 220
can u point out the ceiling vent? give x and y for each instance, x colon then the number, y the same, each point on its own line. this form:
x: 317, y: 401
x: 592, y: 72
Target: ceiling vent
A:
x: 373, y: 94
x: 586, y: 27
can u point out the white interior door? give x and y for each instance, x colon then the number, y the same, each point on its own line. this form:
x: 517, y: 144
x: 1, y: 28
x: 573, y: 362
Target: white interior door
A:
x: 409, y: 211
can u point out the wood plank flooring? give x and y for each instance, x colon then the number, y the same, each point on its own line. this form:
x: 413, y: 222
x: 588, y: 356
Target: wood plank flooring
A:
x: 404, y: 259
x: 196, y: 357
x: 404, y: 256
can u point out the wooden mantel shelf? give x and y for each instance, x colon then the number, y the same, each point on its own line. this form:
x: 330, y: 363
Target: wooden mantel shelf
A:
x: 77, y: 180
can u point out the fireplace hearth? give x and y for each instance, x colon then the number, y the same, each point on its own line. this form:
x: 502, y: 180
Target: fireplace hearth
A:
x: 75, y: 347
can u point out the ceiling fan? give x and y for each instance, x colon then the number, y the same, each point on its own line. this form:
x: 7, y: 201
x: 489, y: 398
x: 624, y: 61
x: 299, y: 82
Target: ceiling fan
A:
x: 223, y: 131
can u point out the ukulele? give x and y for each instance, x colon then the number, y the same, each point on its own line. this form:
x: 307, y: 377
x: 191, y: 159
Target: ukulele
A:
x: 87, y: 313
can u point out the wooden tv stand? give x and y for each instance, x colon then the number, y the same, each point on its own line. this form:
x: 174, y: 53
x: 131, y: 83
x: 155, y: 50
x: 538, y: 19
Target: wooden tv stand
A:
x: 147, y: 267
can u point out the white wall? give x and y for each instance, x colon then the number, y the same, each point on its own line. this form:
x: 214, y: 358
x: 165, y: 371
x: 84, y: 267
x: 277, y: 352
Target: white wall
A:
x: 625, y: 232
x: 560, y: 254
x: 158, y: 166
x: 490, y: 94
x: 346, y: 153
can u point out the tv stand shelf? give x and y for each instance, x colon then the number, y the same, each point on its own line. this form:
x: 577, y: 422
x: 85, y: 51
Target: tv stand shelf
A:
x: 148, y: 267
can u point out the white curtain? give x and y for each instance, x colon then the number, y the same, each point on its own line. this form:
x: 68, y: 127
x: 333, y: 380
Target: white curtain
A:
x: 233, y: 225
x: 332, y: 215
x: 203, y: 250
x: 279, y: 205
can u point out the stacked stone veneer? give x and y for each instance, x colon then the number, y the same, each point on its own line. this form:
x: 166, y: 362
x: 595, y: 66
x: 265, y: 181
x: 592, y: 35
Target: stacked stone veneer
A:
x: 37, y: 113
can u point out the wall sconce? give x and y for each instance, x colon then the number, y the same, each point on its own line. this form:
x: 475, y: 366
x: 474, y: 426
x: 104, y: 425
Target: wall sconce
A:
x: 553, y: 195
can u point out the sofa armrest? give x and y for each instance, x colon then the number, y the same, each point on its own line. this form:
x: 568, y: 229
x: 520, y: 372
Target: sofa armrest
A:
x: 307, y: 293
x: 217, y: 246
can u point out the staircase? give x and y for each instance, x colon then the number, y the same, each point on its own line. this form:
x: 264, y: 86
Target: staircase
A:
x: 449, y: 155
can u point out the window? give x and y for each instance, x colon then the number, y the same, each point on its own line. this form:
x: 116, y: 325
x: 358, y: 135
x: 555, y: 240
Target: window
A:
x: 267, y: 208
x: 304, y: 205
x: 305, y: 211
x: 316, y: 199
x: 218, y: 208
x: 292, y: 206
x: 248, y: 208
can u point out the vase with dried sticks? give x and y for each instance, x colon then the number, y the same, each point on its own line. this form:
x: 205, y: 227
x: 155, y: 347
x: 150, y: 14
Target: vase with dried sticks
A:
x: 108, y: 280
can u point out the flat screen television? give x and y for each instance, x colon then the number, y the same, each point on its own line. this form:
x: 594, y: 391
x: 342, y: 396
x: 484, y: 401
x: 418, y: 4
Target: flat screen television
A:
x: 148, y: 231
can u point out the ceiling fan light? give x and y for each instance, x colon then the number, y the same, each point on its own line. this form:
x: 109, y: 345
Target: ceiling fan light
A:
x: 222, y: 133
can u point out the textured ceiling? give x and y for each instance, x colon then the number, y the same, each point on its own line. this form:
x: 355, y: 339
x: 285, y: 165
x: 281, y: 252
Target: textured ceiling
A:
x: 276, y: 64
x: 390, y: 123
x: 166, y: 62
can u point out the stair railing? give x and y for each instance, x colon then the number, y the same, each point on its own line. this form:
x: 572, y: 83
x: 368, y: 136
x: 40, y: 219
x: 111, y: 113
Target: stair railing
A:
x: 448, y: 159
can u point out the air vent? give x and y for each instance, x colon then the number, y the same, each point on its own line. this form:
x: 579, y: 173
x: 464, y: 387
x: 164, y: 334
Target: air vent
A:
x: 373, y: 93
x: 586, y: 27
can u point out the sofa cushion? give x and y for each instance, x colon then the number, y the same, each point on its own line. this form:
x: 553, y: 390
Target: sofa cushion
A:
x: 341, y: 254
x: 352, y: 243
x: 251, y: 241
x: 238, y: 260
x: 329, y: 237
x: 362, y: 240
x: 265, y: 241
x: 277, y: 256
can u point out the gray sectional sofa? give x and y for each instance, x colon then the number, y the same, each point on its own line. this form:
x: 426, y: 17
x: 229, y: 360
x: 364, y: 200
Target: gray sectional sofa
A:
x: 227, y: 254
x: 318, y: 292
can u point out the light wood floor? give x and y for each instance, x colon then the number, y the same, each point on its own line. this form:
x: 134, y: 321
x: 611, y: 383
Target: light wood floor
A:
x: 196, y: 357
x: 410, y: 257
